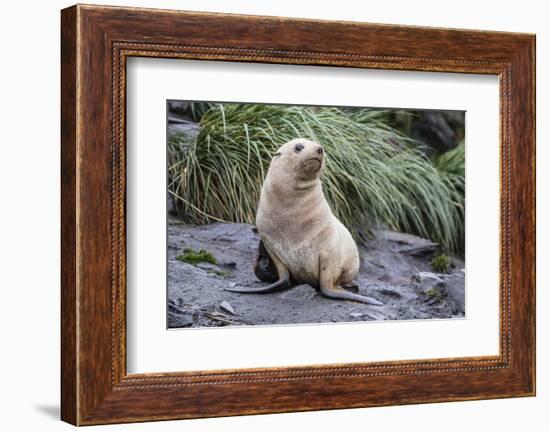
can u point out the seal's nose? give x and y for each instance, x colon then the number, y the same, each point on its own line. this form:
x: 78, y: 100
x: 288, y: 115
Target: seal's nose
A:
x: 320, y: 150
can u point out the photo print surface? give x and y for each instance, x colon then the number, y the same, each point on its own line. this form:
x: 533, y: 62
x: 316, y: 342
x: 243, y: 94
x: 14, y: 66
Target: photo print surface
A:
x: 286, y: 214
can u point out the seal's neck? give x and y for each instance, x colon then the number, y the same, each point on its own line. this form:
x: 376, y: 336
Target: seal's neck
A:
x: 289, y: 182
x: 301, y: 185
x: 293, y: 191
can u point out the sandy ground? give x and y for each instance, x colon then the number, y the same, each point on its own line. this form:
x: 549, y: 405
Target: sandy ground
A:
x: 395, y: 269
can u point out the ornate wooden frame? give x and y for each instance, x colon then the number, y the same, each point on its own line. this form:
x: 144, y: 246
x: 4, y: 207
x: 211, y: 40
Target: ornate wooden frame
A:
x: 95, y: 43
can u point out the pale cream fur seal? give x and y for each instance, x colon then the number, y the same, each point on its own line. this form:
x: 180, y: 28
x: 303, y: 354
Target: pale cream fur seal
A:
x: 306, y: 242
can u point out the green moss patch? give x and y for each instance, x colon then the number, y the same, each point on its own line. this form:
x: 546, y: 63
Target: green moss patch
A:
x: 193, y: 257
x: 435, y: 294
x: 441, y: 264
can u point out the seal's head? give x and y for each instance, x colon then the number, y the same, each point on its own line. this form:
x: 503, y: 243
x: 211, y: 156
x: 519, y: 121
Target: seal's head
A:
x: 303, y: 158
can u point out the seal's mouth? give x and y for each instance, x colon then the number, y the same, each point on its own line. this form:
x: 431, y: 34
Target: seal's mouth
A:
x: 313, y: 161
x: 312, y: 164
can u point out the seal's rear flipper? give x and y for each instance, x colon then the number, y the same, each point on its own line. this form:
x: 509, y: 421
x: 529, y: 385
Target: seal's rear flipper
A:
x: 332, y: 290
x: 265, y: 268
x: 339, y: 293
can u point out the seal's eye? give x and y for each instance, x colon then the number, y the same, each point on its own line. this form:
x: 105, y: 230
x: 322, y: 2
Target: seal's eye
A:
x: 298, y: 148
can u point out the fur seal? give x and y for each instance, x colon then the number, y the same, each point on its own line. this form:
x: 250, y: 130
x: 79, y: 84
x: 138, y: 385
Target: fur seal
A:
x: 301, y: 235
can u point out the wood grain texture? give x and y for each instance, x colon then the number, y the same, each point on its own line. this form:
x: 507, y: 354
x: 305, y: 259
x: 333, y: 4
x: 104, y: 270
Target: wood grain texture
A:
x: 96, y: 41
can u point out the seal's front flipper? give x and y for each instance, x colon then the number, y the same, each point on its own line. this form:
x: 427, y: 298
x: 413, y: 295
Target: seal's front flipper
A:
x: 281, y: 284
x: 278, y: 286
x: 352, y: 287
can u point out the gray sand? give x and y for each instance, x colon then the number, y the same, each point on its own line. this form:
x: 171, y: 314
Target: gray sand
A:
x: 395, y: 269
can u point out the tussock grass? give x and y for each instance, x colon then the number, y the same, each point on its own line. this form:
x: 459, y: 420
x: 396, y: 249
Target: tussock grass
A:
x: 373, y: 173
x: 451, y: 168
x: 452, y: 162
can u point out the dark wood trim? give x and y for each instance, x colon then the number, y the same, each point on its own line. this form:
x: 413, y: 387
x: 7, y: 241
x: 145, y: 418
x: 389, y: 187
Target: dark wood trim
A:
x: 96, y: 41
x: 69, y: 367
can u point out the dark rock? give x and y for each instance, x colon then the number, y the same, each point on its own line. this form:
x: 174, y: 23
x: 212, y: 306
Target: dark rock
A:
x: 390, y: 292
x: 437, y: 130
x: 424, y: 282
x: 172, y: 308
x: 455, y: 291
x: 176, y: 320
x: 178, y: 106
x: 229, y: 265
x: 392, y: 257
x: 446, y: 289
x: 186, y: 130
x: 410, y: 244
x: 207, y: 266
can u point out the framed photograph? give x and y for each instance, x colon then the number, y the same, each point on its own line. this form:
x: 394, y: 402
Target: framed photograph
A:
x: 264, y: 214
